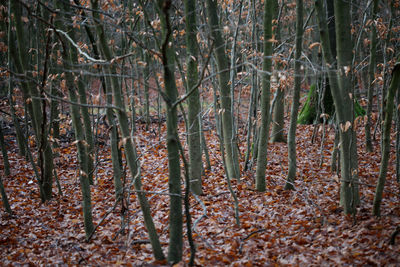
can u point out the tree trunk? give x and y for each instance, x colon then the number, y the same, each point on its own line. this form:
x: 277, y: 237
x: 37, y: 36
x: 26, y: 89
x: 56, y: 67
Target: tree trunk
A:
x: 4, y: 150
x: 265, y: 97
x: 371, y: 77
x: 231, y: 151
x: 394, y: 86
x: 195, y: 159
x: 175, y: 214
x: 116, y: 155
x: 296, y: 97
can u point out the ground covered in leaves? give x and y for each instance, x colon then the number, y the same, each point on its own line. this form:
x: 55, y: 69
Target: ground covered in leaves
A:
x: 277, y: 227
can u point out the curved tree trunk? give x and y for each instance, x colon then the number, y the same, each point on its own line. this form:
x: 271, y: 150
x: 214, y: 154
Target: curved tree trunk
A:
x: 394, y: 86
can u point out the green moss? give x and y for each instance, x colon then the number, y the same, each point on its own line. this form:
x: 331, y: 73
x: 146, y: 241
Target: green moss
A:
x: 308, y: 113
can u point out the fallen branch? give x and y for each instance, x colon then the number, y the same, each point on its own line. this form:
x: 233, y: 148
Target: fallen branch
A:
x: 248, y: 236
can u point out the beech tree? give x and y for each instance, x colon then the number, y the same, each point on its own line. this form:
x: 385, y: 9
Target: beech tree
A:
x: 195, y: 160
x: 265, y: 97
x: 171, y: 94
x: 296, y: 97
x: 394, y: 86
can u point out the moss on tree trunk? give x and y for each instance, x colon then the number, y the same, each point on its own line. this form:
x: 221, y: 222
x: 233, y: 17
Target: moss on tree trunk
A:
x: 308, y: 113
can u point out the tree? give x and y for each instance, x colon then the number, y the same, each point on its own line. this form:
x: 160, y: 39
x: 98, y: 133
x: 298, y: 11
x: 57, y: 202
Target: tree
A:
x: 296, y: 97
x: 265, y: 97
x: 171, y: 93
x: 387, y: 124
x: 371, y: 76
x: 195, y: 160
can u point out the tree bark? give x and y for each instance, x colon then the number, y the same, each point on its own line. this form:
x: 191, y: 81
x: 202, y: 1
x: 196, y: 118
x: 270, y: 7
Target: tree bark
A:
x: 4, y: 150
x: 371, y: 77
x: 175, y: 214
x: 296, y: 97
x: 265, y: 97
x: 394, y: 86
x: 195, y: 159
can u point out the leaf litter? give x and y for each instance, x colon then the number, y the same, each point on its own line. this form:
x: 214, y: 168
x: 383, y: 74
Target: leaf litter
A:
x: 302, y: 227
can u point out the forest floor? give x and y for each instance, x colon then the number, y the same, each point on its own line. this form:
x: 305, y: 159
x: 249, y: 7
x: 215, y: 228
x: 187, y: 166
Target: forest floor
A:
x: 277, y: 227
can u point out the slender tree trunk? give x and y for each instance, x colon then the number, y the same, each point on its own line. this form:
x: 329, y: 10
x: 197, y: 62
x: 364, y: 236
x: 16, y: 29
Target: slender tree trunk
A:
x: 195, y: 159
x: 4, y: 151
x: 175, y: 214
x: 87, y: 124
x: 394, y: 86
x: 296, y: 97
x: 231, y: 151
x: 146, y: 74
x: 265, y: 97
x: 371, y: 77
x: 83, y: 110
